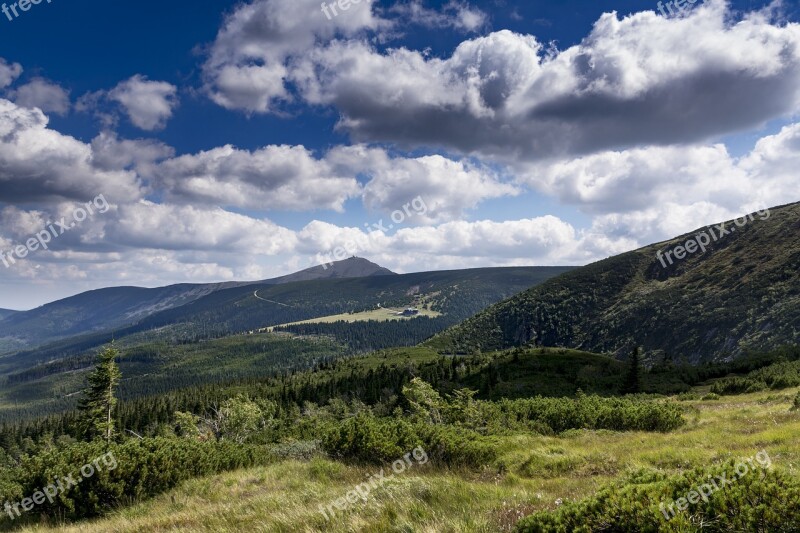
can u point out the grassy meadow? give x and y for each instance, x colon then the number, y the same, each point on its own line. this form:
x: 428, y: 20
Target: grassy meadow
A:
x: 378, y: 315
x: 532, y: 473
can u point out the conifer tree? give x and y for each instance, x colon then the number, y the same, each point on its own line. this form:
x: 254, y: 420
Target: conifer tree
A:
x: 632, y: 383
x: 99, y: 401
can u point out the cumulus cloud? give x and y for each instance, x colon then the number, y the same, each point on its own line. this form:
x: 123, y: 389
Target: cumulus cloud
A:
x: 47, y: 96
x: 274, y: 177
x: 247, y: 68
x: 649, y: 194
x: 628, y: 180
x: 448, y: 187
x: 293, y: 178
x: 148, y: 104
x: 541, y: 240
x: 168, y: 227
x: 40, y: 164
x: 638, y: 80
x: 454, y: 14
x: 109, y: 152
x: 8, y: 72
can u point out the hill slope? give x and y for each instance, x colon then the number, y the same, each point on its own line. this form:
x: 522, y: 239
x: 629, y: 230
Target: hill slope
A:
x: 743, y: 293
x: 118, y: 306
x: 5, y: 313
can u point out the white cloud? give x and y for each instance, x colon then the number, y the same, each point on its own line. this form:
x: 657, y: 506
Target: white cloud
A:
x: 148, y: 104
x: 454, y: 14
x: 639, y: 80
x: 8, y: 72
x: 293, y: 178
x: 650, y: 194
x: 543, y: 240
x: 624, y: 181
x: 169, y: 227
x: 246, y: 66
x: 111, y: 153
x: 41, y: 164
x: 47, y: 96
x: 448, y: 187
x: 274, y: 177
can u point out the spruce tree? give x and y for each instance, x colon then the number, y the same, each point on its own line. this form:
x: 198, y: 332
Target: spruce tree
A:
x: 632, y: 383
x: 98, y: 401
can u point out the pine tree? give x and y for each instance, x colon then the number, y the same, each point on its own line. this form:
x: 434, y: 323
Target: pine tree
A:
x: 98, y: 402
x: 632, y: 383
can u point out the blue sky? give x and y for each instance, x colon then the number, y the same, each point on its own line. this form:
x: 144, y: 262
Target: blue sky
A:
x: 241, y: 140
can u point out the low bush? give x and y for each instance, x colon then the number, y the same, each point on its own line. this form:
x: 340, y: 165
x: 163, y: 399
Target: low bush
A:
x: 299, y: 450
x: 587, y: 412
x: 369, y: 439
x: 761, y: 500
x: 777, y: 376
x: 143, y: 469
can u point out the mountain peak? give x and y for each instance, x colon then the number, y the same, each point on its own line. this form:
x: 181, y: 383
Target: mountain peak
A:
x: 353, y: 267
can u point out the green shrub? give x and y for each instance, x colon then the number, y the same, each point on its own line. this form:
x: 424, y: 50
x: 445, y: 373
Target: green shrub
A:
x: 586, y: 412
x: 367, y: 438
x: 711, y: 396
x: 777, y: 376
x: 299, y: 450
x: 796, y: 406
x: 143, y: 468
x: 370, y: 439
x: 762, y: 500
x: 688, y: 396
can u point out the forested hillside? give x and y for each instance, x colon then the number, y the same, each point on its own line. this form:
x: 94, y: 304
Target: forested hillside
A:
x: 456, y: 294
x: 213, y: 340
x: 118, y: 307
x: 742, y: 294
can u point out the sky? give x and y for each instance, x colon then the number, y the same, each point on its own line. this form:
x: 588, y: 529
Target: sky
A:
x: 149, y: 143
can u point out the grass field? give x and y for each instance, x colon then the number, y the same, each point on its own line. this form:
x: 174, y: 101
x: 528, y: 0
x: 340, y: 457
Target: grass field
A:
x: 533, y: 473
x: 378, y: 315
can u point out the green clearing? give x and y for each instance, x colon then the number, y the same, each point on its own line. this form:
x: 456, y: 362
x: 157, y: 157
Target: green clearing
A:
x: 377, y: 315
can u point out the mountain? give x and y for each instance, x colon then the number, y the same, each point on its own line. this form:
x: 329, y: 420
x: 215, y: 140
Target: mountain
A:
x: 119, y: 306
x: 355, y: 267
x: 741, y: 294
x: 215, y: 339
x: 5, y: 313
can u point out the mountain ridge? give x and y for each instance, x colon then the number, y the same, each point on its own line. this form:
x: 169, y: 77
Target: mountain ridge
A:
x: 111, y: 307
x: 742, y: 294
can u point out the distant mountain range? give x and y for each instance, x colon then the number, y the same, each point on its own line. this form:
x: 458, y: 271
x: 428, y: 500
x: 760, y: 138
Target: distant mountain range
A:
x: 739, y: 291
x: 118, y: 306
x: 214, y: 338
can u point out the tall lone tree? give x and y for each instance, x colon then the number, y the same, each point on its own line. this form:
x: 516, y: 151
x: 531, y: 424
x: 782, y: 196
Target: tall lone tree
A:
x: 98, y: 401
x: 633, y: 378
